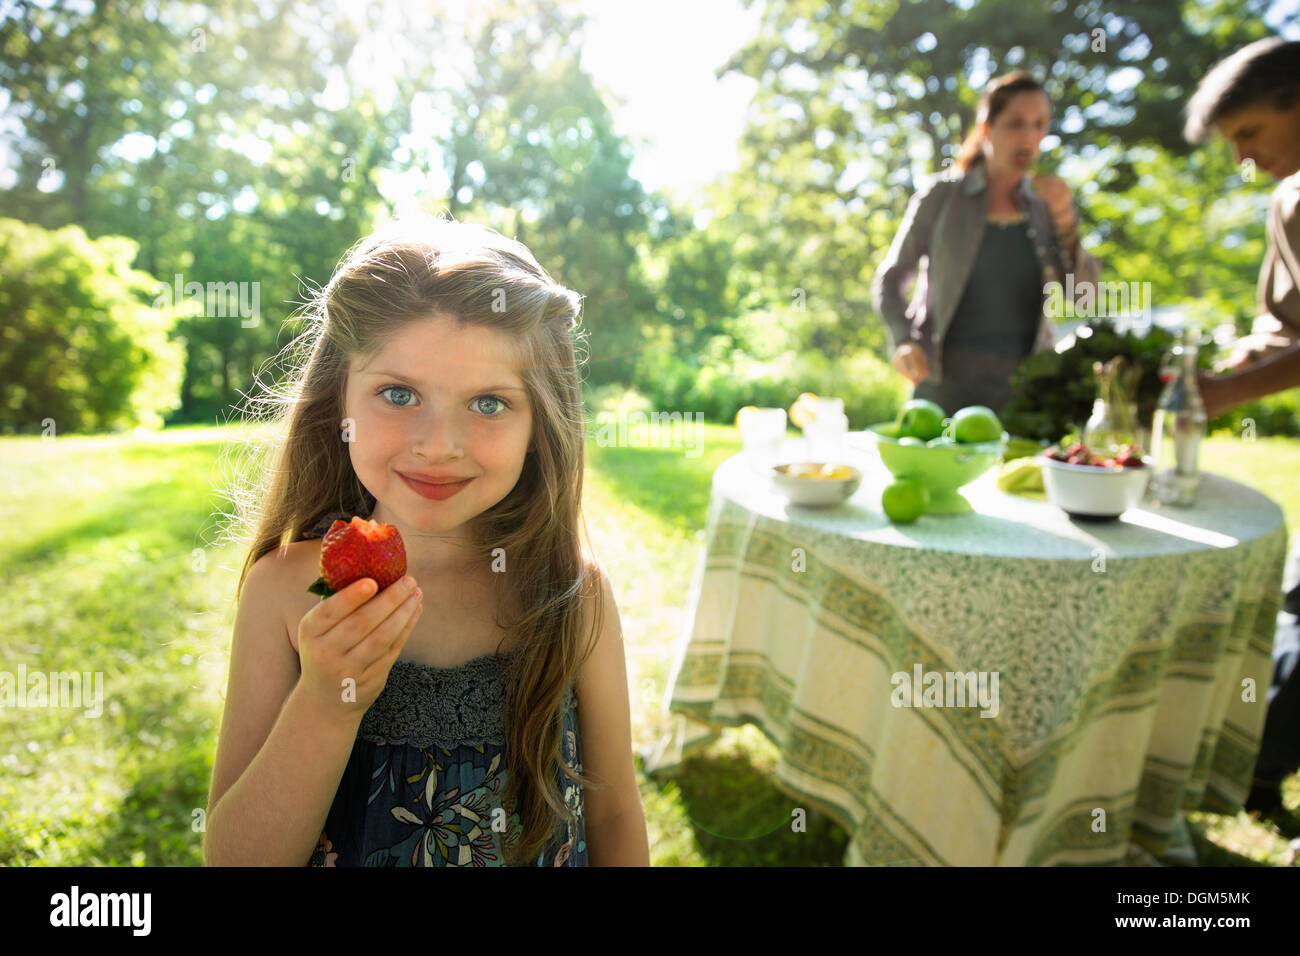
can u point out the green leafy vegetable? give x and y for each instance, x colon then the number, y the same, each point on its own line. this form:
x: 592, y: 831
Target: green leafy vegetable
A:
x: 1052, y: 392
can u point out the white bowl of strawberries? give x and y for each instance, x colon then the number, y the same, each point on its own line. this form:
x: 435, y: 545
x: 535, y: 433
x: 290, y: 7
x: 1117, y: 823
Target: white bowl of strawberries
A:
x: 1085, y: 484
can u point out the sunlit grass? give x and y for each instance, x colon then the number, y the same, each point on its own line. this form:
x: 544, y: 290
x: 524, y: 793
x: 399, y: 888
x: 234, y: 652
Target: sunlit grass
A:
x: 1267, y: 464
x: 98, y: 547
x: 98, y: 539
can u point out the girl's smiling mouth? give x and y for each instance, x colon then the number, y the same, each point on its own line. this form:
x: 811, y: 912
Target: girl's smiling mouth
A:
x: 438, y: 491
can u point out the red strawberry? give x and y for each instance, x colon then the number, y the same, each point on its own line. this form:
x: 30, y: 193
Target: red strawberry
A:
x: 357, y: 549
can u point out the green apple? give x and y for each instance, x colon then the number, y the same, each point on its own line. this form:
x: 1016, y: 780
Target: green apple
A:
x: 911, y: 442
x: 889, y: 430
x: 905, y: 500
x: 974, y: 424
x: 920, y: 419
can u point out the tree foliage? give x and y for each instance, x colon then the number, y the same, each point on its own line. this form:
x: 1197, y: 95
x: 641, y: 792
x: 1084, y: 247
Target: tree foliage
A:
x: 243, y: 141
x: 82, y: 349
x: 530, y: 148
x: 230, y: 144
x: 199, y: 133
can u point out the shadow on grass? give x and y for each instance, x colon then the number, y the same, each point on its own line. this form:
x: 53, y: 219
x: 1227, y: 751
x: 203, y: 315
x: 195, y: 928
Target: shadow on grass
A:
x: 741, y: 819
x: 169, y: 509
x: 139, y: 800
x: 156, y: 819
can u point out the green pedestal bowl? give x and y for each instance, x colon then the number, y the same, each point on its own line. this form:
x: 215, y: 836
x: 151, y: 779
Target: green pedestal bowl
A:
x: 941, y: 468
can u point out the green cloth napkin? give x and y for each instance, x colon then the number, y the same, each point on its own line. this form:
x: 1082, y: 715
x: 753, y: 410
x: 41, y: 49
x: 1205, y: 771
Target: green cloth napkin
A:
x: 1022, y: 476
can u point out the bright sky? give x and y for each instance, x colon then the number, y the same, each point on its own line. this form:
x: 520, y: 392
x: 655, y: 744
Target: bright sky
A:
x: 658, y: 61
x: 656, y: 65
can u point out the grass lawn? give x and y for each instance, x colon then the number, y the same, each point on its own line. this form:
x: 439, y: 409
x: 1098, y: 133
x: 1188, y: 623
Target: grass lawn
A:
x: 117, y: 575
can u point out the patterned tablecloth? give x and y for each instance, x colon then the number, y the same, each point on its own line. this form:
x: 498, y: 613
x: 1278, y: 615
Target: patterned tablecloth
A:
x: 1125, y: 666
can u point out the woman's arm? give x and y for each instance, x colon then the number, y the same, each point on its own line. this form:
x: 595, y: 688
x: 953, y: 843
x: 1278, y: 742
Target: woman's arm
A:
x: 614, y: 817
x: 899, y: 266
x: 1076, y: 260
x: 1087, y: 271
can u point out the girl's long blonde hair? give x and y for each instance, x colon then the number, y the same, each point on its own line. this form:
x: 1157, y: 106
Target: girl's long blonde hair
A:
x: 407, y: 271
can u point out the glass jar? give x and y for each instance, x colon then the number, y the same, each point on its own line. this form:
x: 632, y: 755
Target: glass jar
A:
x: 826, y: 431
x: 762, y: 430
x: 1113, y: 423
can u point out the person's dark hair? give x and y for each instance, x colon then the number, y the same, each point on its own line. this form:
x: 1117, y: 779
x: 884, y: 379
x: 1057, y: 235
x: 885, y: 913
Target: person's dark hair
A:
x: 1266, y: 71
x: 996, y: 96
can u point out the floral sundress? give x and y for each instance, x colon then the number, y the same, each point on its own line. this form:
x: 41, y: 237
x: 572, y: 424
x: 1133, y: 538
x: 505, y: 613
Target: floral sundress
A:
x: 424, y: 783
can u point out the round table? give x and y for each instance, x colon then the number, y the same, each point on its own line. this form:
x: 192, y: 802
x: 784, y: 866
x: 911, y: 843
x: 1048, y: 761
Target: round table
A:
x: 1003, y: 687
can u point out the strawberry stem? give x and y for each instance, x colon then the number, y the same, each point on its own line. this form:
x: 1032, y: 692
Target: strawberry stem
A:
x: 320, y: 587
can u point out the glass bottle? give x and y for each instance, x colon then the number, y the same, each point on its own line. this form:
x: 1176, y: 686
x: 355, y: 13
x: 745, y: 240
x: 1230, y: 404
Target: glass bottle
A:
x: 825, y: 432
x: 1179, y: 428
x: 1113, y: 423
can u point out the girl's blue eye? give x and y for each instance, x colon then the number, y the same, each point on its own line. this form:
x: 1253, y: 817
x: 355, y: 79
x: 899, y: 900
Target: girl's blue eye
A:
x: 396, y: 388
x: 493, y: 409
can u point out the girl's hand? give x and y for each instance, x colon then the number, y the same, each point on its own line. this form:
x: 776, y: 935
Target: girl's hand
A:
x: 347, y: 644
x: 909, y: 360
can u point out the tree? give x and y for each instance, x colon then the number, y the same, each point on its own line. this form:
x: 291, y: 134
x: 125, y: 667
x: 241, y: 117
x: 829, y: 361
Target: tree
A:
x: 200, y: 134
x: 82, y: 350
x: 530, y: 148
x: 206, y: 136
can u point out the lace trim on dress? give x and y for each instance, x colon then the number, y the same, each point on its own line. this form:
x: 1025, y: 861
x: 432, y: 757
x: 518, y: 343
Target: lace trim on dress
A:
x: 446, y: 707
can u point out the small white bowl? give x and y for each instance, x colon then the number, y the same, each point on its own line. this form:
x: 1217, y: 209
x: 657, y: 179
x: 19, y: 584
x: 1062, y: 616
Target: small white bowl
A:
x: 816, y: 492
x: 1087, y: 491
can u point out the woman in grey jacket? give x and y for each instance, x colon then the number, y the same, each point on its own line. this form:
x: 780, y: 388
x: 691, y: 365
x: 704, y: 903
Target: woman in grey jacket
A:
x: 993, y: 239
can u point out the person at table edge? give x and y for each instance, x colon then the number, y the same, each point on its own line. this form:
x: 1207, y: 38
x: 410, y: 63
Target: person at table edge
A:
x: 993, y: 239
x: 1252, y: 99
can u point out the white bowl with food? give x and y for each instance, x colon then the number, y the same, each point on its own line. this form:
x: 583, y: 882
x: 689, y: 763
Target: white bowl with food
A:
x: 1094, y: 491
x: 816, y: 484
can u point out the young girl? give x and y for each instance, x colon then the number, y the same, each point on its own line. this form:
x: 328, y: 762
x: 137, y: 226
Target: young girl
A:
x: 441, y: 396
